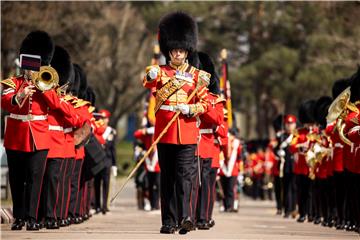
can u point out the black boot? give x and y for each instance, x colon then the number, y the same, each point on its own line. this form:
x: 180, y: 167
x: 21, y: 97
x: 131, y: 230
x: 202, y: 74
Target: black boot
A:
x: 18, y: 224
x: 32, y: 225
x: 167, y: 229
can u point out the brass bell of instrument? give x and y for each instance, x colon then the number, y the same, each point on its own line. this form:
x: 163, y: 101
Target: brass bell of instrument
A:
x: 47, y: 78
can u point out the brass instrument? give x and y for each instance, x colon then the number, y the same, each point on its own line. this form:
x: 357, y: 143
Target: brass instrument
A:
x: 47, y: 78
x: 338, y: 110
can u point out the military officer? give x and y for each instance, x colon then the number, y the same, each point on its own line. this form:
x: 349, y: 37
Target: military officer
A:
x: 174, y: 83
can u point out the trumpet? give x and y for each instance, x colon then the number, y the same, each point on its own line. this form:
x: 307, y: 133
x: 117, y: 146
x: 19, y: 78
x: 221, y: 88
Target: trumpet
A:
x: 47, y: 78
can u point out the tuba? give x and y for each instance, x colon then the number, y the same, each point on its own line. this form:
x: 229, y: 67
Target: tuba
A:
x: 45, y: 79
x: 337, y: 112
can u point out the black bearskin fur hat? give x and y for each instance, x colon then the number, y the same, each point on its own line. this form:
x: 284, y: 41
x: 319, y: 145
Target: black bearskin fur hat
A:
x: 278, y: 122
x: 177, y: 30
x: 339, y: 86
x: 306, y: 111
x: 75, y: 85
x: 355, y: 86
x: 61, y: 61
x: 90, y: 95
x: 321, y: 109
x: 207, y: 65
x: 83, y: 82
x: 38, y: 43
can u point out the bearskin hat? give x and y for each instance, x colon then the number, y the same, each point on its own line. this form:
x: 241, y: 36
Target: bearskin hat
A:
x: 177, y: 30
x: 82, y: 82
x: 321, y: 109
x: 75, y: 85
x: 38, y: 43
x: 306, y: 111
x: 61, y: 62
x: 278, y: 122
x: 90, y: 95
x: 355, y: 86
x: 339, y: 86
x: 207, y: 65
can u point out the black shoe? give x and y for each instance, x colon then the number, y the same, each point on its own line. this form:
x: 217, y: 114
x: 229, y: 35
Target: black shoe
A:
x: 301, y: 219
x: 52, y: 224
x: 32, y: 226
x: 202, y: 225
x: 187, y: 224
x: 86, y: 217
x: 103, y: 211
x: 286, y: 215
x: 211, y: 223
x: 62, y: 223
x: 310, y: 219
x: 97, y: 210
x: 167, y: 229
x: 18, y: 224
x: 278, y: 212
x: 317, y: 220
x: 77, y: 220
x: 351, y: 227
x: 325, y: 223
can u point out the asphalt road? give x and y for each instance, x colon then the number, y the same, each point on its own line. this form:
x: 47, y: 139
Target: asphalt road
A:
x: 255, y: 220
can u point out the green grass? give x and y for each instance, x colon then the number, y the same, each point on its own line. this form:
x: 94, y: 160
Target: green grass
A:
x: 124, y: 153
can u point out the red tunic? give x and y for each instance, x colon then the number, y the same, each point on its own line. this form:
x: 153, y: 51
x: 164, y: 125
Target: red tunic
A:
x: 26, y: 135
x: 338, y: 145
x: 209, y: 122
x: 230, y: 166
x: 299, y: 146
x: 152, y: 162
x: 353, y: 134
x: 82, y: 111
x: 184, y: 129
x: 221, y: 140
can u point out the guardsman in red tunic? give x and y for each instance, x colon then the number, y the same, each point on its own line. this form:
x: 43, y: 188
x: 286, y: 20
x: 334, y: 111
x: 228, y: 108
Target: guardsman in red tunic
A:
x: 103, y: 177
x: 352, y: 132
x: 229, y: 170
x: 151, y: 164
x: 324, y: 150
x: 174, y: 83
x: 299, y: 146
x: 210, y: 122
x: 27, y: 132
x: 220, y: 143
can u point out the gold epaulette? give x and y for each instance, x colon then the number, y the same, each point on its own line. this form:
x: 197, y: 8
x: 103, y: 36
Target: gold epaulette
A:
x: 9, y: 82
x: 91, y: 109
x: 69, y: 98
x: 81, y: 103
x: 220, y: 99
x: 205, y: 76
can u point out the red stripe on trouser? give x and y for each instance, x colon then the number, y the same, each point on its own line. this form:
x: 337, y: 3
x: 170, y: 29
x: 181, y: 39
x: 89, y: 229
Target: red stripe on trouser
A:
x: 208, y: 203
x: 57, y: 192
x: 42, y: 179
x: 69, y: 190
x: 77, y: 194
x: 63, y: 188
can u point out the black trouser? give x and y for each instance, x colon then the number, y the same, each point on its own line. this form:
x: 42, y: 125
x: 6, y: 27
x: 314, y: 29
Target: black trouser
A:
x: 311, y: 211
x: 26, y: 173
x: 324, y: 198
x: 257, y: 188
x: 203, y: 203
x: 51, y: 185
x: 278, y: 189
x: 178, y: 182
x: 353, y: 201
x: 66, y: 168
x: 212, y: 176
x: 154, y: 189
x: 102, y: 177
x: 289, y: 192
x: 228, y: 184
x: 75, y: 195
x: 339, y: 179
x: 303, y: 188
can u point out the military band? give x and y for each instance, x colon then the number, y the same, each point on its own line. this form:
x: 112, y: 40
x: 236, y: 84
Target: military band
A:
x: 67, y: 152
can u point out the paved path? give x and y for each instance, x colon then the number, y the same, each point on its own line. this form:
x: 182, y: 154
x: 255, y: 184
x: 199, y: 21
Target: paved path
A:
x: 255, y: 220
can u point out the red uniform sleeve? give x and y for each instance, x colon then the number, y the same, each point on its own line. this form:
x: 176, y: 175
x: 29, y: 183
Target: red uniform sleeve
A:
x: 8, y: 93
x: 51, y: 99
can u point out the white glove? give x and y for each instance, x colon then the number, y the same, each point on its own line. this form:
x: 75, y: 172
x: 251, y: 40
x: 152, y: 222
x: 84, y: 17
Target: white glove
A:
x: 281, y: 153
x: 153, y: 73
x: 183, y: 108
x: 114, y: 171
x: 150, y: 130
